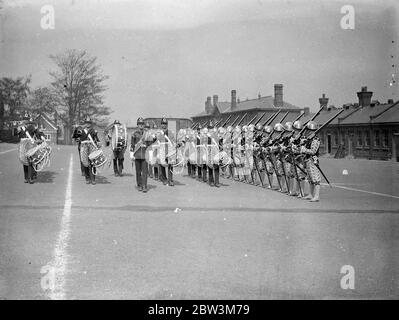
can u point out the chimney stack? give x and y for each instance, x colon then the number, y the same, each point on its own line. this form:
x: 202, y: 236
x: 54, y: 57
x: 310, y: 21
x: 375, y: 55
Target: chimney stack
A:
x: 364, y: 97
x: 323, y: 101
x: 215, y: 100
x: 278, y: 95
x: 233, y: 100
x: 208, y: 104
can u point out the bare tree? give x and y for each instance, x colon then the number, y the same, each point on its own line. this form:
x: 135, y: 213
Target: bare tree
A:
x: 78, y: 87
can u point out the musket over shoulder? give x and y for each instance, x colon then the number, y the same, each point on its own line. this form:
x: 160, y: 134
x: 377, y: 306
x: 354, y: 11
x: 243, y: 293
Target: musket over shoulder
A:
x: 227, y: 120
x: 242, y: 119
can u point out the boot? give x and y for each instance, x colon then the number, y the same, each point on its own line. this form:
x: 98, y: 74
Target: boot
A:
x: 294, y: 188
x: 311, y: 190
x: 115, y: 168
x: 170, y: 176
x: 316, y: 193
x: 92, y: 175
x: 120, y: 167
x: 30, y: 174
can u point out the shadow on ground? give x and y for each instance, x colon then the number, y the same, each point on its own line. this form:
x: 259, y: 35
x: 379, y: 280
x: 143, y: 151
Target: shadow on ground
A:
x: 46, y: 176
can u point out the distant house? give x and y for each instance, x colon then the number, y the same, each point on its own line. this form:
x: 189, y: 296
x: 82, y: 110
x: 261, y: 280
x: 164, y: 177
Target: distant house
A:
x: 52, y: 133
x: 367, y: 129
x: 221, y: 110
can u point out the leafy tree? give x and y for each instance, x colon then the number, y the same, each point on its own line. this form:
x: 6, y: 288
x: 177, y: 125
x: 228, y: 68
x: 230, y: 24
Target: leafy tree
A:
x: 78, y: 86
x: 13, y: 93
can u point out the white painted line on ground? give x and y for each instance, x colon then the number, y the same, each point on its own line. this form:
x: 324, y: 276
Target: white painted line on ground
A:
x: 365, y: 191
x: 3, y: 152
x: 54, y: 281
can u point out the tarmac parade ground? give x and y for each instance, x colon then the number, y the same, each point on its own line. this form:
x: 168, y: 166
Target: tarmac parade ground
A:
x: 63, y: 239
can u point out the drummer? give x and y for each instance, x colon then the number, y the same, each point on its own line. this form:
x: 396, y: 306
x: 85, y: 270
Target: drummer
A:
x: 87, y: 147
x: 26, y: 134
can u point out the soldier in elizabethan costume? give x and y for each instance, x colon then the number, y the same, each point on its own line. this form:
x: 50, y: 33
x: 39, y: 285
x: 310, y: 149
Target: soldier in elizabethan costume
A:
x: 89, y: 143
x: 298, y: 158
x: 140, y: 141
x: 277, y: 160
x: 117, y: 134
x: 212, y: 147
x: 268, y: 156
x: 311, y: 151
x: 166, y: 152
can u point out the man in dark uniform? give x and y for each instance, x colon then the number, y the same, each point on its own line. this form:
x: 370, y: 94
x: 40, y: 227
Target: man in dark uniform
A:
x: 147, y: 128
x: 87, y: 148
x: 77, y: 136
x: 170, y: 135
x: 139, y: 145
x: 198, y: 153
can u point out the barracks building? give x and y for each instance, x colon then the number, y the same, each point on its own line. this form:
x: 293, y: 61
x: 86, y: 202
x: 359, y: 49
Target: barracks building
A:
x: 222, y: 110
x: 367, y: 129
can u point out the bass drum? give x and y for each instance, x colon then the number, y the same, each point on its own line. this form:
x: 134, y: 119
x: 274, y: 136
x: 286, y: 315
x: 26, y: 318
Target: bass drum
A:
x: 118, y: 137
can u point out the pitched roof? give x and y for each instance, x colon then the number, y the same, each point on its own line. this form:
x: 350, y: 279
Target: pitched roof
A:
x: 383, y: 113
x: 261, y: 103
x: 389, y: 115
x: 363, y: 114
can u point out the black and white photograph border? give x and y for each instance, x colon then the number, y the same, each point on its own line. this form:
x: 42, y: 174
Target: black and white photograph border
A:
x: 199, y: 150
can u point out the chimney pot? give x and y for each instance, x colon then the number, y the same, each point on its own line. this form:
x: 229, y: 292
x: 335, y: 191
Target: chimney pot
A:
x: 278, y: 95
x: 215, y: 99
x: 364, y: 97
x: 208, y: 105
x: 323, y: 101
x: 233, y: 99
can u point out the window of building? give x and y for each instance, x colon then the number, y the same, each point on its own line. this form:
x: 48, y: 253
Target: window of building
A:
x: 336, y: 141
x: 15, y: 132
x: 385, y: 138
x: 322, y: 138
x: 343, y: 138
x: 367, y: 138
x: 377, y: 138
x: 359, y: 139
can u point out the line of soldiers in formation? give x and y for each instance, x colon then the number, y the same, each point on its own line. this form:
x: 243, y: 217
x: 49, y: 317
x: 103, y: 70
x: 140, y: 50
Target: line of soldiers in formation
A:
x: 251, y: 153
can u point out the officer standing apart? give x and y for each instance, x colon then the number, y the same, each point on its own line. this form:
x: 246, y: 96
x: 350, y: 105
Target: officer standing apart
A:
x: 139, y: 144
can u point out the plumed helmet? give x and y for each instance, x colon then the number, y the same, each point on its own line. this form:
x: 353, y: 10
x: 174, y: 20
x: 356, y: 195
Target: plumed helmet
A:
x: 258, y: 127
x: 140, y: 120
x: 278, y: 127
x: 251, y: 127
x: 312, y: 125
x: 229, y: 129
x: 237, y: 129
x: 205, y: 131
x: 297, y: 125
x: 245, y: 128
x: 211, y: 125
x: 117, y: 122
x: 147, y: 125
x: 288, y: 126
x: 267, y: 129
x: 199, y: 127
x: 164, y: 120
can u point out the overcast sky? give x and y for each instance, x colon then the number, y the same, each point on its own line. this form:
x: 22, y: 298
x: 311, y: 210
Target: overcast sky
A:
x: 164, y: 57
